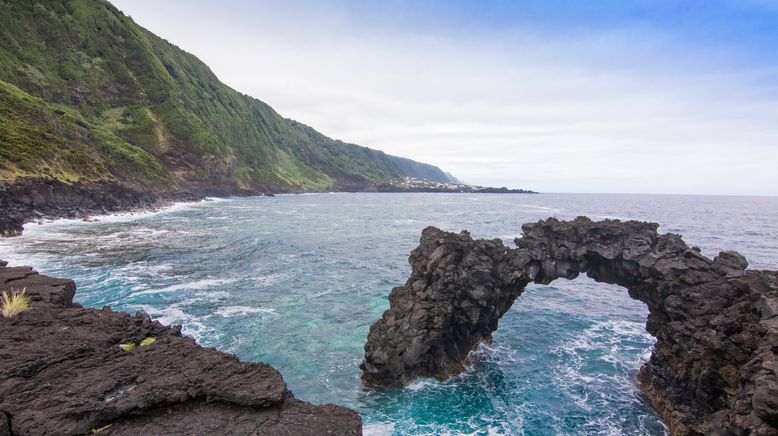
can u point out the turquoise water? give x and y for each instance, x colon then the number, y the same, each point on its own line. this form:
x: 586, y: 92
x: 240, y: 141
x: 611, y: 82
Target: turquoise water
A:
x: 297, y: 280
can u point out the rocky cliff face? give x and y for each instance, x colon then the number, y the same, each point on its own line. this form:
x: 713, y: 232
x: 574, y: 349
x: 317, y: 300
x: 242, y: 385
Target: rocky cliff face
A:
x: 63, y: 372
x: 713, y: 370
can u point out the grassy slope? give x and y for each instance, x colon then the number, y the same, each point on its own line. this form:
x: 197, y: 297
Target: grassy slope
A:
x: 44, y: 140
x: 88, y: 95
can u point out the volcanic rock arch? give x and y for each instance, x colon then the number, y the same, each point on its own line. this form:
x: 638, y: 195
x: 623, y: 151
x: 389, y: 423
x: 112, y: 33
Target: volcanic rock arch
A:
x: 713, y: 369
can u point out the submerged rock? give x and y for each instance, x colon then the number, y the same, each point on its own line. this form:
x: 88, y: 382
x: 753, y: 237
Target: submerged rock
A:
x: 64, y: 371
x: 713, y: 369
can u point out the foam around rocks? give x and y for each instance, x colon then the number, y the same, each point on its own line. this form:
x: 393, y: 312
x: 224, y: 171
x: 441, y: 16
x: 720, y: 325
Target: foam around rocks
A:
x: 714, y: 367
x: 63, y: 372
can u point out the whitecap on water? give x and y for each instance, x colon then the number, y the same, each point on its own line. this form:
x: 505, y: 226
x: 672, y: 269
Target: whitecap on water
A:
x: 420, y: 384
x: 496, y: 352
x: 174, y: 315
x: 189, y: 286
x: 623, y: 346
x: 382, y: 429
x: 230, y: 311
x: 540, y: 208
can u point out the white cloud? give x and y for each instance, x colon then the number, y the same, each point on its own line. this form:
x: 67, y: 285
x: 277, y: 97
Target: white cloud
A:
x: 619, y: 111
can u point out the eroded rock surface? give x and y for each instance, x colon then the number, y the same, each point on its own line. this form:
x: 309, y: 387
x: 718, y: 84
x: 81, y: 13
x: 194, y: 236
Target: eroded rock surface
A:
x: 713, y: 370
x: 62, y: 372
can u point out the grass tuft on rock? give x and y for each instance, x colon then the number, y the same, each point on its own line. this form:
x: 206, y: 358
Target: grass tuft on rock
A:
x: 15, y: 303
x: 129, y: 346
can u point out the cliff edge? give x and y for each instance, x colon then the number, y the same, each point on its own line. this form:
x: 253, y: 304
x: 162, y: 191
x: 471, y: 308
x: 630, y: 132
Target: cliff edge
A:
x: 68, y: 370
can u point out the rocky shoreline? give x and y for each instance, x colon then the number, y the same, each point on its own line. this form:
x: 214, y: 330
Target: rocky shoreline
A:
x: 36, y: 200
x: 713, y: 370
x: 64, y: 371
x: 470, y: 190
x: 32, y: 201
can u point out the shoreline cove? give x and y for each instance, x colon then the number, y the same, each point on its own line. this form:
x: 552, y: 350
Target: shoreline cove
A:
x: 294, y: 287
x: 29, y: 201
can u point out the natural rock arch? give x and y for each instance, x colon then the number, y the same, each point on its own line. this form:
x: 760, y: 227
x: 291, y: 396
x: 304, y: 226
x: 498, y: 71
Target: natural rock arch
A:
x: 713, y: 369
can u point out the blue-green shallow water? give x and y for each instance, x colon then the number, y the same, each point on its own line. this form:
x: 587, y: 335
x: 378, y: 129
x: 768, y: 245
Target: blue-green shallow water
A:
x: 296, y: 281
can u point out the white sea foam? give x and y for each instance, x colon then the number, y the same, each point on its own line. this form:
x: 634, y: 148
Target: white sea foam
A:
x: 607, y: 337
x: 608, y: 217
x: 497, y: 352
x: 210, y: 296
x: 606, y: 341
x: 382, y: 429
x: 420, y: 384
x: 230, y: 311
x: 191, y: 325
x: 320, y: 293
x: 189, y: 286
x: 16, y: 257
x: 507, y: 239
x: 155, y: 269
x: 48, y: 225
x: 536, y: 207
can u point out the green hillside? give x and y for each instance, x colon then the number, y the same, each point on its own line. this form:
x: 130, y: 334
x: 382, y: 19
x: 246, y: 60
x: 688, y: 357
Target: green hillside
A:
x: 87, y: 95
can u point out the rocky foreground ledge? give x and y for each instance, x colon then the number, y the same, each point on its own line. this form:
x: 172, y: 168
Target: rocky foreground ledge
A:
x: 713, y: 370
x: 62, y: 371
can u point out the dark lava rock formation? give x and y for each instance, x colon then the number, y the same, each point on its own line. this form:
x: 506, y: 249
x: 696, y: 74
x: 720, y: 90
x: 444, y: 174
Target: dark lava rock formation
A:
x: 28, y: 201
x: 713, y: 369
x: 62, y: 372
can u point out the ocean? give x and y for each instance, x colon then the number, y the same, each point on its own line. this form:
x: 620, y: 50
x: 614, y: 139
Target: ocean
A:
x: 297, y: 280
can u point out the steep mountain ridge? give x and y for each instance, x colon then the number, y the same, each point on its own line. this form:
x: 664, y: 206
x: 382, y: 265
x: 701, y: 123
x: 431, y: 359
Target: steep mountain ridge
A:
x: 88, y: 96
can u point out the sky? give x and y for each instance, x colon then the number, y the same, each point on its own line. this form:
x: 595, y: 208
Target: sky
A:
x: 635, y: 96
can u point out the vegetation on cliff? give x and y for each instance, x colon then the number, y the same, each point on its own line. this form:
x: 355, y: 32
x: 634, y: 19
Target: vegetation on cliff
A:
x: 87, y: 95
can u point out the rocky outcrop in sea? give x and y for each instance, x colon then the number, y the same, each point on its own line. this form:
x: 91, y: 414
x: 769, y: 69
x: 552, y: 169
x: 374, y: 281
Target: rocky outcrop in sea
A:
x: 713, y: 370
x: 65, y: 369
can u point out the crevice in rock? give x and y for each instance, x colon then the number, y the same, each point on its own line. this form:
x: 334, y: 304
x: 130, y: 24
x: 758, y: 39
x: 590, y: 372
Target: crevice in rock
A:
x: 5, y: 424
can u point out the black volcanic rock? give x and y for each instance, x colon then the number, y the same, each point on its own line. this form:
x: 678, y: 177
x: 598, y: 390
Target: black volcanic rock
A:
x: 28, y: 201
x: 713, y: 369
x: 63, y: 372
